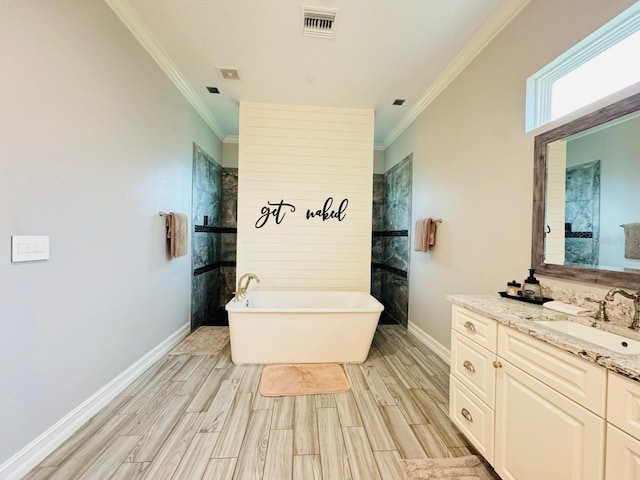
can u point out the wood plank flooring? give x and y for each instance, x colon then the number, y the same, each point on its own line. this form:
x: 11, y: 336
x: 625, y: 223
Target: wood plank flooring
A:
x: 202, y: 418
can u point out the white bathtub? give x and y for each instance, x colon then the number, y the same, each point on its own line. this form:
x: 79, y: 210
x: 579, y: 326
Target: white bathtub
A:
x: 302, y: 327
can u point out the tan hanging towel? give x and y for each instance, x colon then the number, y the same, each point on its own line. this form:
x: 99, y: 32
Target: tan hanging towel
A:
x: 431, y: 233
x: 632, y: 240
x: 421, y: 236
x: 177, y: 233
x: 425, y: 234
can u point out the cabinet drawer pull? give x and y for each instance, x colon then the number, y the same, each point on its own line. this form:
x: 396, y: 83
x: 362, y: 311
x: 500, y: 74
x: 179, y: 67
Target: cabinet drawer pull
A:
x: 469, y: 326
x: 497, y: 364
x: 469, y: 366
x: 465, y: 413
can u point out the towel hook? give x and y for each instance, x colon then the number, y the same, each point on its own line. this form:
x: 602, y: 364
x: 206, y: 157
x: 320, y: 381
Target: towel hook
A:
x: 163, y: 214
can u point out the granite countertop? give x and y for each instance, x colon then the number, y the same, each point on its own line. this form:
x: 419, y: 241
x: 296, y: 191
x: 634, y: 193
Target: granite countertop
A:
x: 520, y: 316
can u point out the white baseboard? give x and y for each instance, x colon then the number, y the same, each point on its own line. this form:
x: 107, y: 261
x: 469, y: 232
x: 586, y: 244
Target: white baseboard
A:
x: 443, y: 352
x: 36, y: 451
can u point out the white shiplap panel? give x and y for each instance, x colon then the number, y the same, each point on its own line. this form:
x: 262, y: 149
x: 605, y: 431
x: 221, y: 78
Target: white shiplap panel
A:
x: 302, y: 156
x: 346, y: 179
x: 324, y: 143
x: 297, y: 125
x: 274, y: 132
x: 283, y: 161
x: 312, y: 151
x: 319, y: 169
x: 556, y: 197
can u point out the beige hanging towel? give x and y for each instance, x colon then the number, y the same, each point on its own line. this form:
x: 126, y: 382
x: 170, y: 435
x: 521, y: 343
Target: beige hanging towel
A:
x: 632, y: 240
x: 425, y: 234
x: 433, y: 226
x: 177, y: 233
x: 421, y: 236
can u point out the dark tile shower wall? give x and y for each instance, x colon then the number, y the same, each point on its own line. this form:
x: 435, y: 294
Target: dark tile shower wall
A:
x: 377, y: 245
x: 390, y: 255
x: 206, y: 244
x: 582, y: 215
x: 229, y: 236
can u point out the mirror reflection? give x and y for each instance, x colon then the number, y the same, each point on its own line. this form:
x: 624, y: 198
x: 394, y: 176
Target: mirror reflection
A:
x: 592, y: 197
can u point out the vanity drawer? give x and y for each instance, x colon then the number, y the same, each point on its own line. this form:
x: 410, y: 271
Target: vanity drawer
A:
x: 623, y: 408
x: 481, y: 330
x: 582, y: 381
x: 623, y: 456
x: 473, y: 417
x: 473, y: 366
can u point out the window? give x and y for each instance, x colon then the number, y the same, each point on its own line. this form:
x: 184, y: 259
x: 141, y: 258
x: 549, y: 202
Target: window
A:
x: 605, y: 62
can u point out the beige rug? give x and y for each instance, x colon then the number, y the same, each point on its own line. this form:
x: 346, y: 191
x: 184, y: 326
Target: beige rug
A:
x: 459, y: 468
x: 203, y: 341
x: 303, y: 379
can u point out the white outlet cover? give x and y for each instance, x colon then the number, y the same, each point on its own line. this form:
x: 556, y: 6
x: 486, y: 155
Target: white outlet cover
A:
x: 29, y: 248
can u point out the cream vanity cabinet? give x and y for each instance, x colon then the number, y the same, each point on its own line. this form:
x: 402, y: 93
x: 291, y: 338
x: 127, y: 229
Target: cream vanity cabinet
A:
x: 623, y: 429
x: 533, y: 411
x: 549, y: 412
x: 473, y: 376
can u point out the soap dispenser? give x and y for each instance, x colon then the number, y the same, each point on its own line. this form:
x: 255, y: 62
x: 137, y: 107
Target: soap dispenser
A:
x: 531, y: 289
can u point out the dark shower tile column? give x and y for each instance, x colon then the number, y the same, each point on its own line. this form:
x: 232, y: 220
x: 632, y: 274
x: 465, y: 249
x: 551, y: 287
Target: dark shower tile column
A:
x: 394, y: 289
x: 377, y: 245
x: 207, y: 182
x: 229, y: 239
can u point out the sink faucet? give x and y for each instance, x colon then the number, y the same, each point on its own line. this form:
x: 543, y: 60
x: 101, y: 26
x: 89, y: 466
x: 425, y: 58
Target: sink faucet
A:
x: 601, y: 314
x: 241, y: 293
x: 635, y: 325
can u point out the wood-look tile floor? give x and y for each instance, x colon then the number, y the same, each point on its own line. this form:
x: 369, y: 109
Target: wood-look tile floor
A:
x: 201, y: 417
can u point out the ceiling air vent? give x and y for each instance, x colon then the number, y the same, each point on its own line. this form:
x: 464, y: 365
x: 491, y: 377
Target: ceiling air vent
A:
x: 319, y: 22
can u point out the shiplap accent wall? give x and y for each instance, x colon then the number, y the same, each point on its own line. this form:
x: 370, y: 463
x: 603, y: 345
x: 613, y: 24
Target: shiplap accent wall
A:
x: 556, y: 198
x: 302, y: 156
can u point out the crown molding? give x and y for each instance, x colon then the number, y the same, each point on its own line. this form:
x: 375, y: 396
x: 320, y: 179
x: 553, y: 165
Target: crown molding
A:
x: 498, y: 20
x: 131, y: 19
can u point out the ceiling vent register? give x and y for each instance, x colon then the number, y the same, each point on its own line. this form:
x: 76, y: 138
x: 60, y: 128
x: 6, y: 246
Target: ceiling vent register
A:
x: 319, y: 22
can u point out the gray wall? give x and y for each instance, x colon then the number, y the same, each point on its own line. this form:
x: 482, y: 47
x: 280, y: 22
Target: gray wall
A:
x: 473, y: 163
x: 94, y: 141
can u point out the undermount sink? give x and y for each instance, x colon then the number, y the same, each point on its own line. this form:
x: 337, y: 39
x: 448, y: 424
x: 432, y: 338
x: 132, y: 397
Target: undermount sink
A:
x: 608, y: 340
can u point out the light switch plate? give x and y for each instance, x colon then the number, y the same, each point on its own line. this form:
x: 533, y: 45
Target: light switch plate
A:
x: 28, y: 248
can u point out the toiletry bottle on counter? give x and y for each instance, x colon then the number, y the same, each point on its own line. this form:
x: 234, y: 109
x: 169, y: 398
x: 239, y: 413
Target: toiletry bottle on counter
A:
x: 513, y: 288
x: 531, y: 288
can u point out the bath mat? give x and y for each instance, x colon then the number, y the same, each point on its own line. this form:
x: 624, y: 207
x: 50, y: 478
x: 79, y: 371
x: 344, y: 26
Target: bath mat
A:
x: 303, y: 379
x: 459, y: 468
x: 203, y: 341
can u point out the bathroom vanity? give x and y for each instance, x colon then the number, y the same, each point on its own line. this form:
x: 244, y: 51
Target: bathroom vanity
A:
x: 538, y: 403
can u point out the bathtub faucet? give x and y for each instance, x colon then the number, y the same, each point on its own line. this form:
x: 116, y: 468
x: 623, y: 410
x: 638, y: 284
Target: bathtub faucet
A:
x: 241, y: 293
x: 635, y: 325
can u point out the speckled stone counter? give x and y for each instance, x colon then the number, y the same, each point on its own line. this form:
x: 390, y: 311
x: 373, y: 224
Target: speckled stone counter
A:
x: 521, y: 316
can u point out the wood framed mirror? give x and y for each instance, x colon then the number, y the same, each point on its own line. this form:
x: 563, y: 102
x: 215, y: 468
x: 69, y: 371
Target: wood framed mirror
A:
x: 586, y: 189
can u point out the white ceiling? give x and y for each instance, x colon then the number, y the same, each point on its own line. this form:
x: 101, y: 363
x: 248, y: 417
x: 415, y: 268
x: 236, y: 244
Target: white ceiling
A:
x: 382, y: 50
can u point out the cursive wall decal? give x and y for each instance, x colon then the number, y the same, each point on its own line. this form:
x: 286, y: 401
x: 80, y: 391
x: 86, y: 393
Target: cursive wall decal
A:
x: 278, y: 211
x: 327, y: 214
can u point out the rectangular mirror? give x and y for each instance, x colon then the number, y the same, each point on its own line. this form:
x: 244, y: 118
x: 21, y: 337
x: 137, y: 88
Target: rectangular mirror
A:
x: 586, y: 206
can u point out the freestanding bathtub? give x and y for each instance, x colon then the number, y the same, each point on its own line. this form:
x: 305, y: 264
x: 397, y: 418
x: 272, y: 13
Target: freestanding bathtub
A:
x: 302, y: 326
